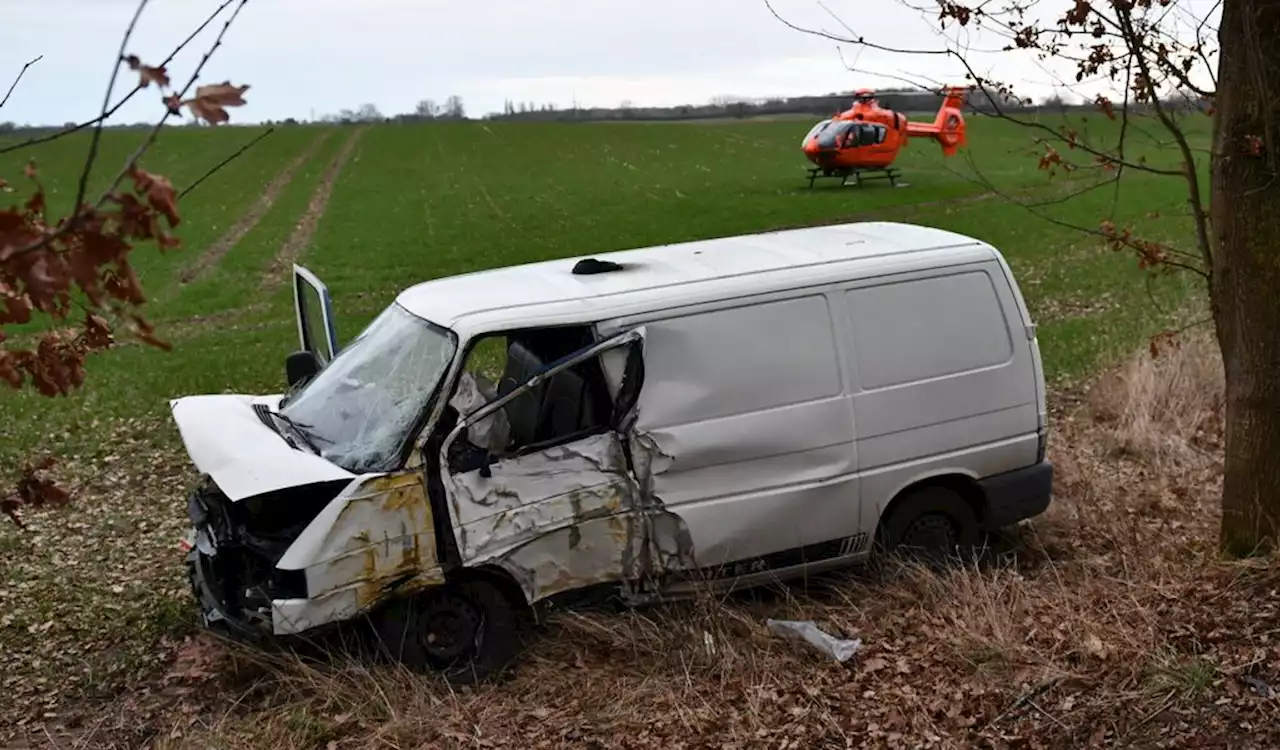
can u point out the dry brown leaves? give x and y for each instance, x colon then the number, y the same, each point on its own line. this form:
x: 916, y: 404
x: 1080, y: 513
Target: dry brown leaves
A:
x: 1110, y: 622
x: 87, y: 598
x: 147, y: 74
x: 210, y: 102
x: 33, y: 490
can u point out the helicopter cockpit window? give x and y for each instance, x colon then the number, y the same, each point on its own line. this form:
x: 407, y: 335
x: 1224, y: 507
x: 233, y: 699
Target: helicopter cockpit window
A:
x: 850, y: 134
x: 863, y: 134
x: 814, y: 131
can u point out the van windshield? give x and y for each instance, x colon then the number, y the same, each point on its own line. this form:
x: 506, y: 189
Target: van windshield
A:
x: 358, y: 410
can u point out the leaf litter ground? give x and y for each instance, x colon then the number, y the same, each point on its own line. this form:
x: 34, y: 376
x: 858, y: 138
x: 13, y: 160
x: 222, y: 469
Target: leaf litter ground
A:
x: 1109, y: 622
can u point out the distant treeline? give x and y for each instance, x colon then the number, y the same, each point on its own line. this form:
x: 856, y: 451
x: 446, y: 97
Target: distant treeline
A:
x: 908, y: 100
x: 912, y: 100
x: 905, y: 100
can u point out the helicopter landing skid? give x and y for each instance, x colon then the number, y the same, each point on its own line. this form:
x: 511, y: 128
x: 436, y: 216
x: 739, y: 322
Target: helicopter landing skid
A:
x: 886, y: 173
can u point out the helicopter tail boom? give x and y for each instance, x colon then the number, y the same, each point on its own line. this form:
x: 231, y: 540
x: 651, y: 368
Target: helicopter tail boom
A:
x: 948, y: 127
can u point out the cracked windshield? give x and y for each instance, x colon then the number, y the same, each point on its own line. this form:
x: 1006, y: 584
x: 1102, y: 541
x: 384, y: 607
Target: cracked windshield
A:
x: 357, y: 409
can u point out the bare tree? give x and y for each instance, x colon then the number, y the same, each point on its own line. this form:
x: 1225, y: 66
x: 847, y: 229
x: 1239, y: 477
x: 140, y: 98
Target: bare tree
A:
x: 79, y: 264
x: 427, y: 109
x: 1165, y: 61
x: 453, y: 108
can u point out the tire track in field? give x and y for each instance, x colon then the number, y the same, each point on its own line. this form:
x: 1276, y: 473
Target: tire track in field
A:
x: 250, y: 218
x: 279, y: 268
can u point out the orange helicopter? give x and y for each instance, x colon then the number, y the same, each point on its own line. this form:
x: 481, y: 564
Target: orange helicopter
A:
x: 867, y: 137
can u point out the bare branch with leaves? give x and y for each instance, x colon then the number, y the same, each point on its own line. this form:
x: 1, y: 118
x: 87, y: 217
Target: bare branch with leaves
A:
x: 125, y: 99
x: 79, y: 264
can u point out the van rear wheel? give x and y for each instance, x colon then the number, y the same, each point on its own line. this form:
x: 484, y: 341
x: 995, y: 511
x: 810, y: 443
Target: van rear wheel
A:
x: 932, y: 523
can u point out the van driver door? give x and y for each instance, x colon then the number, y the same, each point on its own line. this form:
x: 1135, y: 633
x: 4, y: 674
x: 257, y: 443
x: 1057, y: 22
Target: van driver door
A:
x: 314, y: 310
x: 560, y: 512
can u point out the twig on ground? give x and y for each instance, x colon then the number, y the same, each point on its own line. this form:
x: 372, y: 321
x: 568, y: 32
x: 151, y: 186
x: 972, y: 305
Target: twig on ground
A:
x: 1168, y: 699
x: 1024, y: 699
x: 1047, y: 715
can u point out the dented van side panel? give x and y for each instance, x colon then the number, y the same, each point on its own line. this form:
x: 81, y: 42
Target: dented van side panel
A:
x: 375, y: 539
x: 564, y: 518
x: 744, y: 400
x: 571, y: 515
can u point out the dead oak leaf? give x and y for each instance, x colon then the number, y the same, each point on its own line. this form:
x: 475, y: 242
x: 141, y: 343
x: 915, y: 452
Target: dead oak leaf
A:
x: 146, y: 73
x: 97, y: 332
x: 210, y: 102
x: 158, y: 191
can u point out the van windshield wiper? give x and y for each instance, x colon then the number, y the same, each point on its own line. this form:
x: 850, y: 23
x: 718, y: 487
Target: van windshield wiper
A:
x: 304, y: 431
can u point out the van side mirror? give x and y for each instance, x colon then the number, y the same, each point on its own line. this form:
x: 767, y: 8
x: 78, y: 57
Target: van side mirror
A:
x: 300, y: 366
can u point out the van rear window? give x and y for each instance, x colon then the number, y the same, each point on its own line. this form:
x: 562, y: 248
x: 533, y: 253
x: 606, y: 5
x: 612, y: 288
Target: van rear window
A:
x: 914, y: 330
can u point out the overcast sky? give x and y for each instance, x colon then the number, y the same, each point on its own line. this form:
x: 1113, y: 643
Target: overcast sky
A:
x: 317, y: 56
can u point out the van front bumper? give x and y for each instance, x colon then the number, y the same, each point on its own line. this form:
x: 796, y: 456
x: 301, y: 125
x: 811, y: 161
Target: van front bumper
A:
x: 1016, y: 495
x: 271, y: 617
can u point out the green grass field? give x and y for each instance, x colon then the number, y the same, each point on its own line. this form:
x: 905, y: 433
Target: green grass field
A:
x: 416, y: 202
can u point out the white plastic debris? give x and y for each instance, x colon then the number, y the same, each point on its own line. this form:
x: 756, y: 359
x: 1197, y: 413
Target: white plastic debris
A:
x: 808, y: 631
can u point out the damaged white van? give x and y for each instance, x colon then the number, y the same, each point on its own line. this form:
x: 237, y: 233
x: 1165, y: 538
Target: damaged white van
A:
x: 644, y: 423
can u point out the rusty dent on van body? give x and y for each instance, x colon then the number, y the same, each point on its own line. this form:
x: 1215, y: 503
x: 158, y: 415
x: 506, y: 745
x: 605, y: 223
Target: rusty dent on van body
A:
x: 394, y: 545
x: 585, y: 531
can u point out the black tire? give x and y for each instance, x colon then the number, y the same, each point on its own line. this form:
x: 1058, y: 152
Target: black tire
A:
x: 467, y: 631
x: 932, y: 523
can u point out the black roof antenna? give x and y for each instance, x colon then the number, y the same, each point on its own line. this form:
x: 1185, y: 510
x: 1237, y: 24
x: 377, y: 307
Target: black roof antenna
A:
x: 589, y: 266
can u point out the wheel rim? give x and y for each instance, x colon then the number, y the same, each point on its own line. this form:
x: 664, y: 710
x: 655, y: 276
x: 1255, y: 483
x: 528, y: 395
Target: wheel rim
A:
x: 933, y: 532
x: 451, y: 628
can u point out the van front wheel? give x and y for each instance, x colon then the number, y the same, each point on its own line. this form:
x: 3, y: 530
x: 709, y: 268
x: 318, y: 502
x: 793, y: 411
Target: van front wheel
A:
x: 467, y: 631
x: 932, y: 523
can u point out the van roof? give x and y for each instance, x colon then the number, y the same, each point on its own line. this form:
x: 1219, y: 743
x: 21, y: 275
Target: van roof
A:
x: 665, y: 276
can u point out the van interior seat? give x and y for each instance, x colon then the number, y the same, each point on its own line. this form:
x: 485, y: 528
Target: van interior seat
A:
x: 561, y: 406
x: 522, y: 412
x: 566, y: 404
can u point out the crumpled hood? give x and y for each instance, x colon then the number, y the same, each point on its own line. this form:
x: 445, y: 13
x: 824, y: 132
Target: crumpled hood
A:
x: 226, y: 440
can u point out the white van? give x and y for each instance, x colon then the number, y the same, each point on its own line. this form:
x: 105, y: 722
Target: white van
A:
x: 643, y: 423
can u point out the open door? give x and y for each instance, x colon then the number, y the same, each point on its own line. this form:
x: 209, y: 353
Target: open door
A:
x: 565, y: 511
x: 314, y: 309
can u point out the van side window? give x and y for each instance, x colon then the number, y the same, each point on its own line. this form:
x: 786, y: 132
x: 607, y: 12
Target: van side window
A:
x: 573, y: 403
x: 908, y: 331
x: 747, y: 359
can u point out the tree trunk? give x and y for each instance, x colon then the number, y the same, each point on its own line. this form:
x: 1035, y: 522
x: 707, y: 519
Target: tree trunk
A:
x: 1245, y: 291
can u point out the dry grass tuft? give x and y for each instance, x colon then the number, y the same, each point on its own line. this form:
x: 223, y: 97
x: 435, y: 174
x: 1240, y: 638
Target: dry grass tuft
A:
x: 1167, y: 409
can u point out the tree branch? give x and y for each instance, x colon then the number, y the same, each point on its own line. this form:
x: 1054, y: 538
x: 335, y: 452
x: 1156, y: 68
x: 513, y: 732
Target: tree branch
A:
x: 1034, y: 210
x: 14, y: 85
x: 132, y: 162
x: 110, y: 112
x: 195, y: 75
x: 1115, y: 179
x: 1198, y: 213
x: 225, y: 162
x: 106, y: 102
x: 858, y: 40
